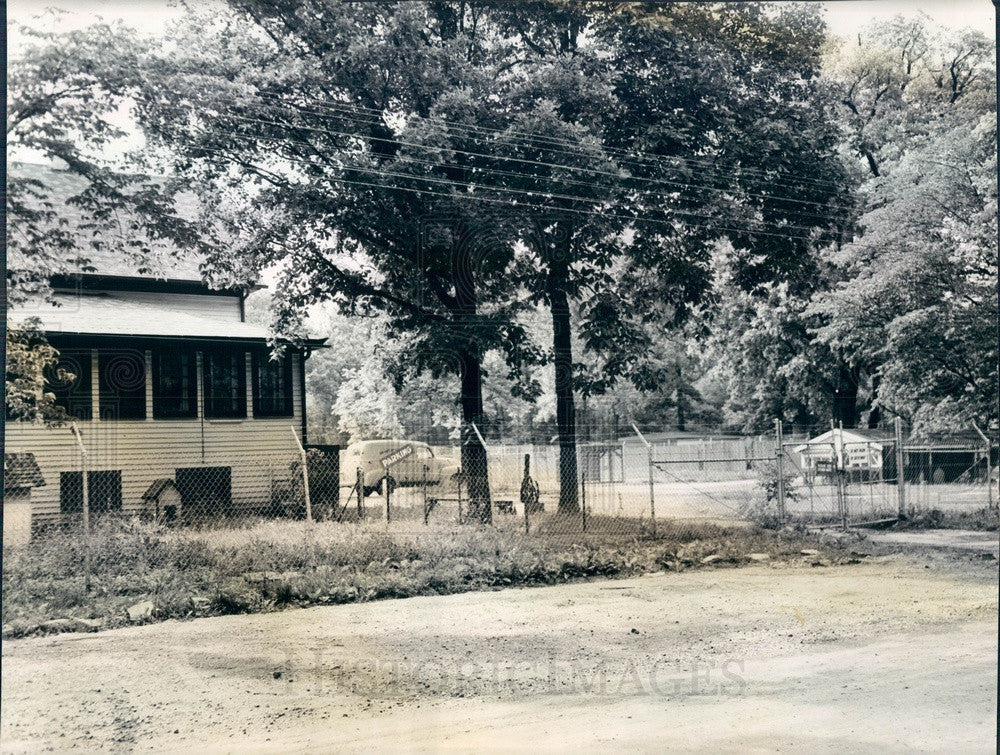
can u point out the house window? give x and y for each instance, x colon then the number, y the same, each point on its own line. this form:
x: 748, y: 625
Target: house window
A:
x: 104, y: 491
x: 122, y: 383
x: 272, y: 385
x: 225, y: 377
x: 69, y: 380
x: 205, y: 490
x: 175, y: 383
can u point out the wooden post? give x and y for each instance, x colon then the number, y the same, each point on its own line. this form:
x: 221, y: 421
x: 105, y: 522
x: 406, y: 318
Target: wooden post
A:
x: 426, y: 513
x: 305, y: 473
x: 525, y: 503
x: 388, y: 497
x: 360, y: 476
x: 900, y: 469
x: 85, y: 489
x: 779, y: 457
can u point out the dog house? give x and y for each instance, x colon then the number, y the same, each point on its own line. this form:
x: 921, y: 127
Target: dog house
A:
x: 20, y: 475
x: 163, y: 500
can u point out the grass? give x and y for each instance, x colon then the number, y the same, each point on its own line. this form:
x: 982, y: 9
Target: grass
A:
x: 267, y: 565
x: 986, y: 519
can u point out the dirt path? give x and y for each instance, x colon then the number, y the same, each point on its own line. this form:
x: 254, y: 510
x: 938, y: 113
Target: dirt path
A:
x: 882, y: 655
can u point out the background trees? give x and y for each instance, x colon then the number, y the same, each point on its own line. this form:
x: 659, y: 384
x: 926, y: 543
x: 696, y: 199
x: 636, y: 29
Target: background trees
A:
x: 675, y: 213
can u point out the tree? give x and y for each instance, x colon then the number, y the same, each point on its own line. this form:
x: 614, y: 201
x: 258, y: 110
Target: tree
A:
x: 643, y: 117
x: 29, y: 356
x: 919, y: 300
x: 337, y: 120
x: 913, y: 296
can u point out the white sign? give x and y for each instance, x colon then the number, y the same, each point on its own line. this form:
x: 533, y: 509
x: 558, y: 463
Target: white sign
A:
x: 396, y: 456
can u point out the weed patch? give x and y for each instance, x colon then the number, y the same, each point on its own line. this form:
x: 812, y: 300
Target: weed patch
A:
x: 268, y: 565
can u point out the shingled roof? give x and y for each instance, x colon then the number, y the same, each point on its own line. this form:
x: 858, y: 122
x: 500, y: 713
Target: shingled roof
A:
x: 20, y: 470
x: 168, y: 263
x: 111, y: 314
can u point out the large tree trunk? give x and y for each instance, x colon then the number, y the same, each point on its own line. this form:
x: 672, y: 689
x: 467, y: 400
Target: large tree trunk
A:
x: 556, y: 284
x: 679, y: 394
x: 845, y: 398
x: 475, y: 465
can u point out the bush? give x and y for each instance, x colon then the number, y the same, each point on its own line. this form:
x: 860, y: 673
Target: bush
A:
x: 762, y: 507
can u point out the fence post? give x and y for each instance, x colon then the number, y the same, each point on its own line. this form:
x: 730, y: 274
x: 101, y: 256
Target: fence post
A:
x: 85, y: 489
x: 525, y: 496
x: 388, y: 497
x: 989, y: 466
x: 649, y: 458
x: 900, y: 477
x: 779, y: 454
x: 426, y: 513
x: 360, y: 477
x: 583, y: 487
x: 305, y: 472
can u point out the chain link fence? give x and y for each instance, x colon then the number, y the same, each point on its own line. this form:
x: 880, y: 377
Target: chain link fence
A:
x: 627, y: 480
x: 649, y: 473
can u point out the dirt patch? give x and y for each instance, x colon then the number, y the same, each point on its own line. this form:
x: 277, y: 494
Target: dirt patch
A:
x: 964, y: 540
x: 880, y: 654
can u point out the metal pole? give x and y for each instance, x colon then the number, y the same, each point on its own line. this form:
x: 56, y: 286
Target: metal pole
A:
x: 779, y: 454
x: 649, y: 458
x: 305, y: 473
x: 583, y: 487
x: 900, y: 477
x: 85, y: 489
x: 989, y: 466
x: 836, y: 467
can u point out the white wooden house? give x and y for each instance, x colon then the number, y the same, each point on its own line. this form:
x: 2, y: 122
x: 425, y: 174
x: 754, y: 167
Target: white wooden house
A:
x: 848, y: 450
x: 170, y: 383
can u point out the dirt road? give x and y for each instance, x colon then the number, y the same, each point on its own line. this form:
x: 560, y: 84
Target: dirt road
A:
x: 887, y: 654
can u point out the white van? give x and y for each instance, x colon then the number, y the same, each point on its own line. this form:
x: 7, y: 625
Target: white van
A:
x: 394, y: 463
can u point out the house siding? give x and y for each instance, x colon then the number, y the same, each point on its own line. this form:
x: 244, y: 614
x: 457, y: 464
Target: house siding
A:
x: 258, y: 451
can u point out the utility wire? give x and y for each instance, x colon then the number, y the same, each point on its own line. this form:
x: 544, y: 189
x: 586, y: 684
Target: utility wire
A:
x: 528, y: 205
x: 537, y: 193
x: 394, y: 141
x: 377, y: 116
x: 589, y: 184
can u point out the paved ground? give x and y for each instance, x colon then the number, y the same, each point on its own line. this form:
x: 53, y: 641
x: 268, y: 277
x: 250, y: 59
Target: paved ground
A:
x: 893, y: 653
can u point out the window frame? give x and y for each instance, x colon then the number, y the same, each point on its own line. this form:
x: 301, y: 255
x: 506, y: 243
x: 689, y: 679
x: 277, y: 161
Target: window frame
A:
x: 106, y: 398
x: 104, y: 487
x: 159, y: 351
x: 207, y: 354
x: 264, y: 355
x: 81, y: 393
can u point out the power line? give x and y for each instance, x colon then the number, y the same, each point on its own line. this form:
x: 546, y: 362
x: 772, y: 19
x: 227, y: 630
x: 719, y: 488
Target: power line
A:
x: 418, y: 145
x: 635, y: 179
x: 377, y: 115
x: 529, y: 205
x: 507, y: 190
